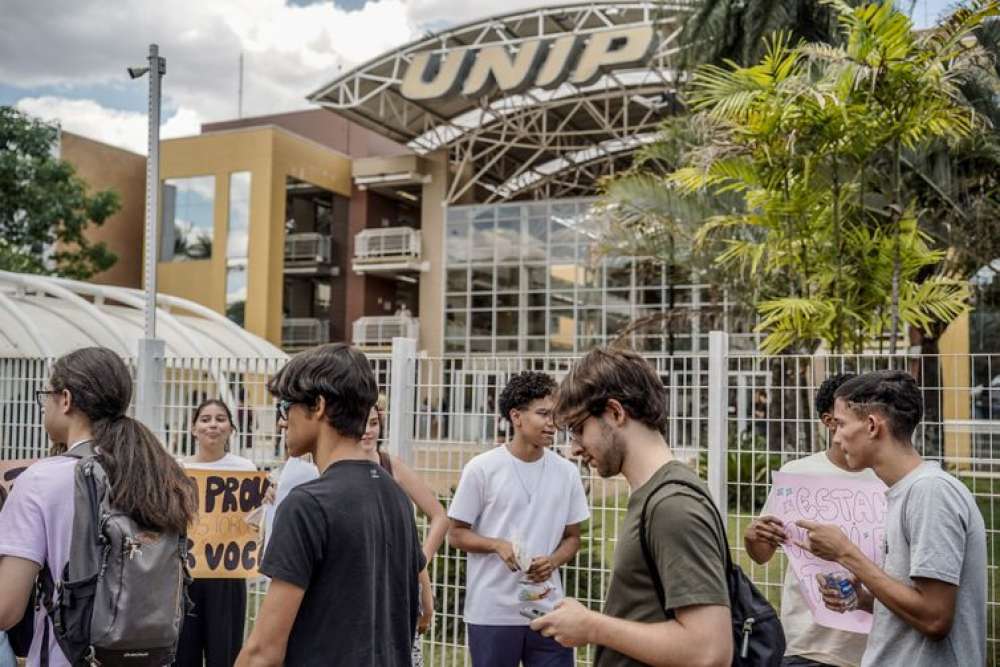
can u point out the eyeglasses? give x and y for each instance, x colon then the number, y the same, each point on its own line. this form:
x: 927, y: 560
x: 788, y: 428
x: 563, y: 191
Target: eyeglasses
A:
x: 284, y: 405
x: 40, y: 395
x: 575, y: 431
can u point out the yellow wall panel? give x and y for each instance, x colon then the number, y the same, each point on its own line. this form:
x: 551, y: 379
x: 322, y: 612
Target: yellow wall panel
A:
x: 270, y: 155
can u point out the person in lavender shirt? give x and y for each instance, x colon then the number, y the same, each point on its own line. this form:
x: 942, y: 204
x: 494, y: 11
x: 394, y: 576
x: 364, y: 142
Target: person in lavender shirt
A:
x: 85, y: 401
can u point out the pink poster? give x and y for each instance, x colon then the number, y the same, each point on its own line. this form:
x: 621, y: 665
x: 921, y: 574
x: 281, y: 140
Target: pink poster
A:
x: 857, y: 506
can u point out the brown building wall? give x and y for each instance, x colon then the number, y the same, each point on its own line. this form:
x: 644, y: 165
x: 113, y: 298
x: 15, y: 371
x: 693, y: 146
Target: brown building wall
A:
x: 107, y: 167
x: 355, y: 284
x: 323, y: 127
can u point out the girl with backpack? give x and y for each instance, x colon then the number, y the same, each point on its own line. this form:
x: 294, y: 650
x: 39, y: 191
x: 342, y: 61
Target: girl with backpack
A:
x: 213, y: 629
x: 84, y: 408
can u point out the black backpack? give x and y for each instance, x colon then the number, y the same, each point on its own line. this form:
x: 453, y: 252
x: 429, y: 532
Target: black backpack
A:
x: 758, y: 639
x: 123, y: 593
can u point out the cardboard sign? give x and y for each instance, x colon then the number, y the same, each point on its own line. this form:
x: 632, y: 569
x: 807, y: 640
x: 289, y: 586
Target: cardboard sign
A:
x: 221, y: 544
x: 858, y: 507
x: 9, y: 470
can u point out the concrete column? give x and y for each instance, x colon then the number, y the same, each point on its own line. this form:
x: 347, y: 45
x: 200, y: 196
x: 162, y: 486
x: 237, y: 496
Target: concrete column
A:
x: 432, y: 216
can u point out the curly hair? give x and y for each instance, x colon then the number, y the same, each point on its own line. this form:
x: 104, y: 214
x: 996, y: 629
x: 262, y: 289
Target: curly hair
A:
x: 524, y: 388
x: 824, y: 395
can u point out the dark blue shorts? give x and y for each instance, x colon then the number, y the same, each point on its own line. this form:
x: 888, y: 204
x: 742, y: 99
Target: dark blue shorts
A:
x: 512, y: 645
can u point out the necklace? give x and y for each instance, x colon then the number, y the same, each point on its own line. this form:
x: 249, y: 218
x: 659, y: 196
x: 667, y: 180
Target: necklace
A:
x: 530, y: 494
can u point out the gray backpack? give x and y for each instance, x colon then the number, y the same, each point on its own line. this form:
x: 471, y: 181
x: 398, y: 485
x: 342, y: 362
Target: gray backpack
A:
x: 123, y: 593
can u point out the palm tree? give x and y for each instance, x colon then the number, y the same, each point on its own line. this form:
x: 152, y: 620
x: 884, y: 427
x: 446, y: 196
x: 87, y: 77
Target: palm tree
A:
x: 736, y: 31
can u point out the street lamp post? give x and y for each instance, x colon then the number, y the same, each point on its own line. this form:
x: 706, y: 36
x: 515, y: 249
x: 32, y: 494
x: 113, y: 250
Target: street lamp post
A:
x: 150, y: 363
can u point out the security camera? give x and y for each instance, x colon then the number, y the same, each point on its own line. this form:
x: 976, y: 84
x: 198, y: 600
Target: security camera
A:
x: 136, y: 72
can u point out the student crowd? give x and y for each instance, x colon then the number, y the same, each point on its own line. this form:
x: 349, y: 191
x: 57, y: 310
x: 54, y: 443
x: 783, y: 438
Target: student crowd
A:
x: 83, y: 531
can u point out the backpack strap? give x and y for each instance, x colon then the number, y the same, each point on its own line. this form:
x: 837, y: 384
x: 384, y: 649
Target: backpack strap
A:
x: 647, y: 554
x: 45, y: 584
x: 45, y: 588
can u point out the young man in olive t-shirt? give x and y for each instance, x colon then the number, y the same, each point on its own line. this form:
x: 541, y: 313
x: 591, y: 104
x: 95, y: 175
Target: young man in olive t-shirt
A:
x: 614, y: 405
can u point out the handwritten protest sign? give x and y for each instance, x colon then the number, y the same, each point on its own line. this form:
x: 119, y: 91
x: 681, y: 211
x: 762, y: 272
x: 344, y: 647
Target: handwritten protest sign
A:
x: 9, y: 470
x: 221, y: 544
x: 858, y: 507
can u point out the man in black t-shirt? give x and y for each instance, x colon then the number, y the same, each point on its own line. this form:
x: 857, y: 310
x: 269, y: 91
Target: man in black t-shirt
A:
x: 344, y: 553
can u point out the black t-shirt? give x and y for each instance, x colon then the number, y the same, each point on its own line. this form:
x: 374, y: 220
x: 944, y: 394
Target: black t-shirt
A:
x: 349, y: 539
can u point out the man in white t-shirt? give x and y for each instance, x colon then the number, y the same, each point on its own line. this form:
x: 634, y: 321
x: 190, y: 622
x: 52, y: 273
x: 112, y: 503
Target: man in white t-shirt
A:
x: 807, y: 643
x: 517, y: 513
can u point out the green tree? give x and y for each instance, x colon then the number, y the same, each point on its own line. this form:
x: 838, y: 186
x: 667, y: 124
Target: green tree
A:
x: 737, y: 31
x: 44, y: 206
x: 812, y: 141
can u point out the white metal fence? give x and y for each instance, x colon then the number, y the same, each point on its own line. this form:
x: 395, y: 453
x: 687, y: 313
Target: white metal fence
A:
x: 736, y: 417
x: 379, y: 244
x: 307, y: 247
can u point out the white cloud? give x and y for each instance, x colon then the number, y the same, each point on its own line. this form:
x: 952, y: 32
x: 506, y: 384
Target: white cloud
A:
x: 125, y: 129
x: 289, y: 51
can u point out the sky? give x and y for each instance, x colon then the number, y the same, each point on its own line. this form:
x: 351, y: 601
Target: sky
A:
x: 65, y: 60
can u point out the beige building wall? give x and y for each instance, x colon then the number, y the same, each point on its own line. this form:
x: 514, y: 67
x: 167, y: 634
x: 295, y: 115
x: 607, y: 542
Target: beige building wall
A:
x: 270, y: 154
x: 956, y: 395
x: 432, y: 214
x: 105, y: 167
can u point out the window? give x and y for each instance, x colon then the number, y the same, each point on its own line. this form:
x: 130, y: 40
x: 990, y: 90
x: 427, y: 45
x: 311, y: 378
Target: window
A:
x: 534, y: 277
x: 188, y: 214
x: 237, y: 243
x: 239, y: 215
x: 236, y: 291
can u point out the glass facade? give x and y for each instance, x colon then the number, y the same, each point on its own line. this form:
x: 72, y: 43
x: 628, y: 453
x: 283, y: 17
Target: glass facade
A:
x: 237, y: 244
x: 531, y: 278
x: 237, y: 233
x: 187, y: 218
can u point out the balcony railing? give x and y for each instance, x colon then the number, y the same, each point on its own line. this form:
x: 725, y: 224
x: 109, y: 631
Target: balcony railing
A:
x: 379, y: 331
x: 307, y: 248
x: 397, y: 243
x: 304, y: 331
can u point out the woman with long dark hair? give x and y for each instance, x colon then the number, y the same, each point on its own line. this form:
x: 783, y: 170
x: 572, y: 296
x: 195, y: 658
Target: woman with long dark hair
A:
x: 213, y: 631
x: 85, y: 401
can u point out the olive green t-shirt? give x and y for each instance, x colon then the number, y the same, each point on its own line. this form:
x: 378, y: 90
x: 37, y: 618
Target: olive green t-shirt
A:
x: 686, y: 545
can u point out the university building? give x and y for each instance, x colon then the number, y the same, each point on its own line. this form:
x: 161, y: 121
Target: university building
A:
x: 443, y: 191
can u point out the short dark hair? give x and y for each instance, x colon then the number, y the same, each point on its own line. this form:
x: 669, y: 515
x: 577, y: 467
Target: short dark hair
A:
x: 612, y: 372
x: 824, y: 395
x: 522, y: 389
x: 341, y: 375
x: 894, y: 394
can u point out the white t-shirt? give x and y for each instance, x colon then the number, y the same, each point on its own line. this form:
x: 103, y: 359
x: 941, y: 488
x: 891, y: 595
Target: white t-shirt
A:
x: 227, y: 462
x: 295, y: 471
x: 493, y: 497
x: 803, y: 637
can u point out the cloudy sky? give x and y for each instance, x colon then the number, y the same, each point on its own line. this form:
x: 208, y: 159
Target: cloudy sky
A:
x: 65, y: 60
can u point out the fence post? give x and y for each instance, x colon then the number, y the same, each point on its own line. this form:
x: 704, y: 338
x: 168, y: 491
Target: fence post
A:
x: 718, y: 408
x: 401, y: 392
x: 150, y: 378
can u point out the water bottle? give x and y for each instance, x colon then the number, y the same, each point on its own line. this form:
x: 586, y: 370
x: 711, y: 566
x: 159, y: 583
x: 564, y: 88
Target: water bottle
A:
x: 842, y: 583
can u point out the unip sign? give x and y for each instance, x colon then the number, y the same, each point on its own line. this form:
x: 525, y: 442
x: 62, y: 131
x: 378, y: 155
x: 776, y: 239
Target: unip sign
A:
x: 540, y: 63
